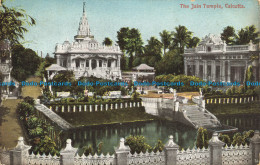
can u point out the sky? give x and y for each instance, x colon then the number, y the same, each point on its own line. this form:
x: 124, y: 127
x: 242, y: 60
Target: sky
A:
x: 58, y: 20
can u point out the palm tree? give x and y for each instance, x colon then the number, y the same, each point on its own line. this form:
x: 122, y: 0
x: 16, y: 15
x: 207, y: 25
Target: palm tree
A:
x: 181, y: 37
x: 246, y: 35
x: 193, y: 42
x: 107, y: 42
x: 166, y: 38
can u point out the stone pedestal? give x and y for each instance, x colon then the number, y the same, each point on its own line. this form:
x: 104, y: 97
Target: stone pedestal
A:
x: 19, y: 153
x: 255, y: 146
x: 215, y: 147
x: 121, y: 153
x: 67, y: 155
x: 171, y: 152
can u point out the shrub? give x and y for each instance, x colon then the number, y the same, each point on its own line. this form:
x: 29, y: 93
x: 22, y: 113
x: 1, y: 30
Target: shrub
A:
x: 29, y: 100
x: 202, y: 138
x: 25, y: 110
x: 225, y: 139
x: 137, y: 144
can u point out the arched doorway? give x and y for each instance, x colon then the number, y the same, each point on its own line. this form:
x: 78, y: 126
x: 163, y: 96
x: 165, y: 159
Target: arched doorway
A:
x: 93, y: 64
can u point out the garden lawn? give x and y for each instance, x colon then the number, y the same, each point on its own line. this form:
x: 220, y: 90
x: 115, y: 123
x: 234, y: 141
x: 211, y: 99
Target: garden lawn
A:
x: 32, y: 91
x: 223, y: 109
x: 107, y: 117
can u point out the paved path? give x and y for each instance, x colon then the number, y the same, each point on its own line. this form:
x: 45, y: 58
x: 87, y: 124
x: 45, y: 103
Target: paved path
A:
x: 53, y: 116
x: 10, y: 129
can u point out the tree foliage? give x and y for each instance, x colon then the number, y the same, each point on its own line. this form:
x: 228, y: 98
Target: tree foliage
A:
x: 181, y: 37
x: 166, y: 38
x: 130, y: 41
x: 247, y: 34
x: 14, y: 23
x: 228, y: 35
x: 107, y: 42
x: 24, y: 61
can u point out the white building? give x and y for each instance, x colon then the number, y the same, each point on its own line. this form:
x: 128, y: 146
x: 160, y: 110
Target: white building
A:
x: 86, y: 57
x: 213, y: 60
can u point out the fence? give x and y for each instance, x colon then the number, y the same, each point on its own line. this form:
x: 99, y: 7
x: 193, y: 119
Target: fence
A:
x: 232, y: 100
x: 92, y: 107
x: 216, y: 154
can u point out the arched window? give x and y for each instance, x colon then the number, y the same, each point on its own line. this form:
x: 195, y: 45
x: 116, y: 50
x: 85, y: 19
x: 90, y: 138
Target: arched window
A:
x: 93, y: 64
x: 77, y: 63
x: 100, y: 63
x: 209, y: 49
x: 87, y: 63
x: 109, y: 63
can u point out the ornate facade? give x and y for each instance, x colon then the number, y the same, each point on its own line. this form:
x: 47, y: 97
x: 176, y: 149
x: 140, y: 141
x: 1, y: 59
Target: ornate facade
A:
x: 5, y: 64
x: 213, y: 60
x: 86, y: 57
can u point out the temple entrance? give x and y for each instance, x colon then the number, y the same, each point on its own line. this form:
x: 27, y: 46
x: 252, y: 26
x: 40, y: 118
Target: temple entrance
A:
x: 93, y: 64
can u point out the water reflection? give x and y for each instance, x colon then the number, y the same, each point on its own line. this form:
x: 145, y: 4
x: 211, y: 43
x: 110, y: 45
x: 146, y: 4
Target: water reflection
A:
x: 243, y: 122
x: 152, y: 130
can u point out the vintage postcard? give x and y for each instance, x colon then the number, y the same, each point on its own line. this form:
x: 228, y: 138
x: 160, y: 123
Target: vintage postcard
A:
x: 129, y: 82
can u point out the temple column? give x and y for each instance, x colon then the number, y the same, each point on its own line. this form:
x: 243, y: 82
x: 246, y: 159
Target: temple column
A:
x: 89, y: 63
x: 229, y: 71
x: 197, y: 68
x: 222, y: 70
x: 205, y: 70
x: 185, y: 67
x: 118, y: 62
x: 97, y: 63
x: 213, y: 70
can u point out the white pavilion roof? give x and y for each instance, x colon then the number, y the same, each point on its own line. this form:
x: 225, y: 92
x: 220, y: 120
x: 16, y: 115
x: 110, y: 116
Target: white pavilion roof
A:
x: 55, y: 67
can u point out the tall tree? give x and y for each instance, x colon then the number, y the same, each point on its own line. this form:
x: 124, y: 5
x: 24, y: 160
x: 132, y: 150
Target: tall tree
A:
x: 107, y: 42
x: 171, y: 63
x: 228, y: 35
x: 181, y: 37
x: 154, y: 50
x: 193, y: 42
x: 122, y: 36
x: 24, y: 61
x: 130, y: 41
x: 166, y: 38
x: 14, y: 23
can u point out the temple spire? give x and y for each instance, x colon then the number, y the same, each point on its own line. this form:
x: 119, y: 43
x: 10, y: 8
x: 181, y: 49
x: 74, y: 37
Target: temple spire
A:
x: 84, y: 5
x: 83, y: 30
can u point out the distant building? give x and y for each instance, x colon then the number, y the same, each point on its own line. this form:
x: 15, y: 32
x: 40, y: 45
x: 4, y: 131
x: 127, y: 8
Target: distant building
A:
x: 86, y: 57
x: 213, y: 60
x: 141, y: 73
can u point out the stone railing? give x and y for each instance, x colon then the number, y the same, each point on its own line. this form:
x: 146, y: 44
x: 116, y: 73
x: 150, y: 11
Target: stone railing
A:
x: 238, y: 155
x: 216, y: 154
x: 218, y: 48
x: 62, y: 108
x: 194, y: 156
x: 153, y: 158
x: 232, y: 100
x: 95, y: 159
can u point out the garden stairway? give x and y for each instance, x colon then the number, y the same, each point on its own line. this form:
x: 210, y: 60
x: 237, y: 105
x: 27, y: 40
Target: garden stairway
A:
x: 199, y: 117
x: 53, y: 116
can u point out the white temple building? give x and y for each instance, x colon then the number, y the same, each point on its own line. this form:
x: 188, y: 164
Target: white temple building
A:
x: 213, y: 60
x: 86, y: 57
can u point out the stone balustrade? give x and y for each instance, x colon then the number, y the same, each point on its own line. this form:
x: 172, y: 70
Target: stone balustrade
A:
x: 216, y: 154
x: 62, y: 108
x: 232, y: 100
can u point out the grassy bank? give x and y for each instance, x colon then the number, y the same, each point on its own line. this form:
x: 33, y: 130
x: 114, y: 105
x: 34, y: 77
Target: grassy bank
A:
x: 107, y: 117
x: 225, y: 109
